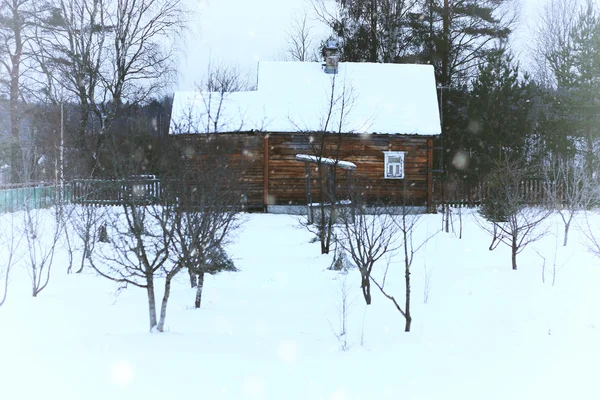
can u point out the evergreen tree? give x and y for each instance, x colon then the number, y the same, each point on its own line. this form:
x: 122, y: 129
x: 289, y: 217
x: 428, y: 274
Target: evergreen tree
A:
x: 500, y: 113
x: 371, y: 30
x: 580, y: 84
x: 570, y: 102
x: 455, y: 37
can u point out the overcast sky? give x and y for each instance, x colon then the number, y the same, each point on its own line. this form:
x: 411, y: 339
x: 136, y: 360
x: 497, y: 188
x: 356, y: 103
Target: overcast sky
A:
x: 244, y: 32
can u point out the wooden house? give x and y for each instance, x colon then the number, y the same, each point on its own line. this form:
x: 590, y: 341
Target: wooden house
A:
x: 381, y: 117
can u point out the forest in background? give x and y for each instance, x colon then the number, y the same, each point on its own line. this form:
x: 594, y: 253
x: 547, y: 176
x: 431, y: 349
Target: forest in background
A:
x: 98, y: 74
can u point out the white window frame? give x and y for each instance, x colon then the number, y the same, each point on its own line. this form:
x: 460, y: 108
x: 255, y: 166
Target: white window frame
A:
x: 397, y: 169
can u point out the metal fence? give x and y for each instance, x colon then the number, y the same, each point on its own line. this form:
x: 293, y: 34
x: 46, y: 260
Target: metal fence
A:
x: 18, y: 197
x: 97, y: 192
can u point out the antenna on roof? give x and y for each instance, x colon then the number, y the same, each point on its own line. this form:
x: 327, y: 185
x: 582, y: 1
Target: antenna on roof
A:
x: 332, y: 57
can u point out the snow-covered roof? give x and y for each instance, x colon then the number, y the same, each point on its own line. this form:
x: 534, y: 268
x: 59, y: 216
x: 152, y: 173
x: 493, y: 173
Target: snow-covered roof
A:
x: 297, y: 96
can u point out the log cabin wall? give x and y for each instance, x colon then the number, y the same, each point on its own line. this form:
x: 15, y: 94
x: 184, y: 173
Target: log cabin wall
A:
x: 287, y: 183
x: 245, y: 151
x: 283, y: 181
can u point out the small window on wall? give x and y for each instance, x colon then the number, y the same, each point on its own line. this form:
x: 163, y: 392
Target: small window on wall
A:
x: 394, y: 164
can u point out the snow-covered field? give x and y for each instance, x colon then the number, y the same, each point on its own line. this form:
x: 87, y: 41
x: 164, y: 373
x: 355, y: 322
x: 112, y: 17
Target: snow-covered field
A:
x: 267, y: 332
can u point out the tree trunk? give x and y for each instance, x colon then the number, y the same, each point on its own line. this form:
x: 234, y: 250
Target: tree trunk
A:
x: 199, y: 289
x: 460, y: 223
x: 83, y: 257
x: 590, y: 150
x: 448, y: 212
x: 514, y: 253
x: 151, y: 301
x: 192, y: 278
x: 163, y: 306
x: 16, y: 157
x: 374, y: 45
x: 34, y: 280
x: 494, y: 237
x: 366, y: 288
x: 407, y: 316
x: 566, y: 233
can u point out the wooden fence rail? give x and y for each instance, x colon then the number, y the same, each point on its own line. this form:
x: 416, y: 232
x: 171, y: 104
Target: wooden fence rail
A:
x: 459, y: 193
x: 103, y: 192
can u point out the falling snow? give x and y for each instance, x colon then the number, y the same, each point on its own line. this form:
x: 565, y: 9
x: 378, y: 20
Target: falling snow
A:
x: 486, y: 332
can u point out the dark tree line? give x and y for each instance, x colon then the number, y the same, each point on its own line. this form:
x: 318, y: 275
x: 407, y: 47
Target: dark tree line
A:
x: 137, y: 130
x: 491, y: 109
x: 100, y: 60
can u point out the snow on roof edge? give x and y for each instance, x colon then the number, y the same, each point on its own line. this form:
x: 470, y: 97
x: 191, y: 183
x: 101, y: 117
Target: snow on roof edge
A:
x: 285, y: 105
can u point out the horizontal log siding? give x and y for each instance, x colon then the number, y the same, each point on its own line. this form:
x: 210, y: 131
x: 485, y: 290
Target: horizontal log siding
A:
x: 246, y: 150
x: 287, y: 176
x: 287, y: 183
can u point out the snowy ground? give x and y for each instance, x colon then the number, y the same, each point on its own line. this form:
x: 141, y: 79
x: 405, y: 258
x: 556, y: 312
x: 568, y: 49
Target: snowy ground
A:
x: 487, y: 332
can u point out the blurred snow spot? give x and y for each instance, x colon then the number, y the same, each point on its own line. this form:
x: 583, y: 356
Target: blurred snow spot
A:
x: 254, y: 387
x: 122, y: 373
x: 223, y: 325
x: 260, y: 328
x: 460, y: 160
x: 339, y: 394
x: 474, y: 126
x: 287, y: 351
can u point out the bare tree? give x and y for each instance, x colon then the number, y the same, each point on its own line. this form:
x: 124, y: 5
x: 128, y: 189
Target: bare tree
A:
x: 427, y: 278
x: 71, y: 39
x: 210, y: 110
x: 507, y: 210
x: 570, y: 189
x: 590, y: 232
x: 407, y: 223
x: 367, y: 238
x: 139, y: 240
x: 554, y: 261
x: 85, y: 220
x: 15, y: 23
x: 299, y: 39
x: 42, y: 229
x: 343, y: 309
x: 221, y: 79
x: 139, y: 62
x: 552, y: 44
x: 210, y: 191
x: 10, y: 240
x: 109, y: 55
x: 378, y: 232
x: 325, y: 145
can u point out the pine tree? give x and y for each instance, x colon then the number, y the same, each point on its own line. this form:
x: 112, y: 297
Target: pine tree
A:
x: 580, y: 84
x: 455, y: 37
x: 500, y: 113
x: 570, y: 107
x: 371, y: 30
